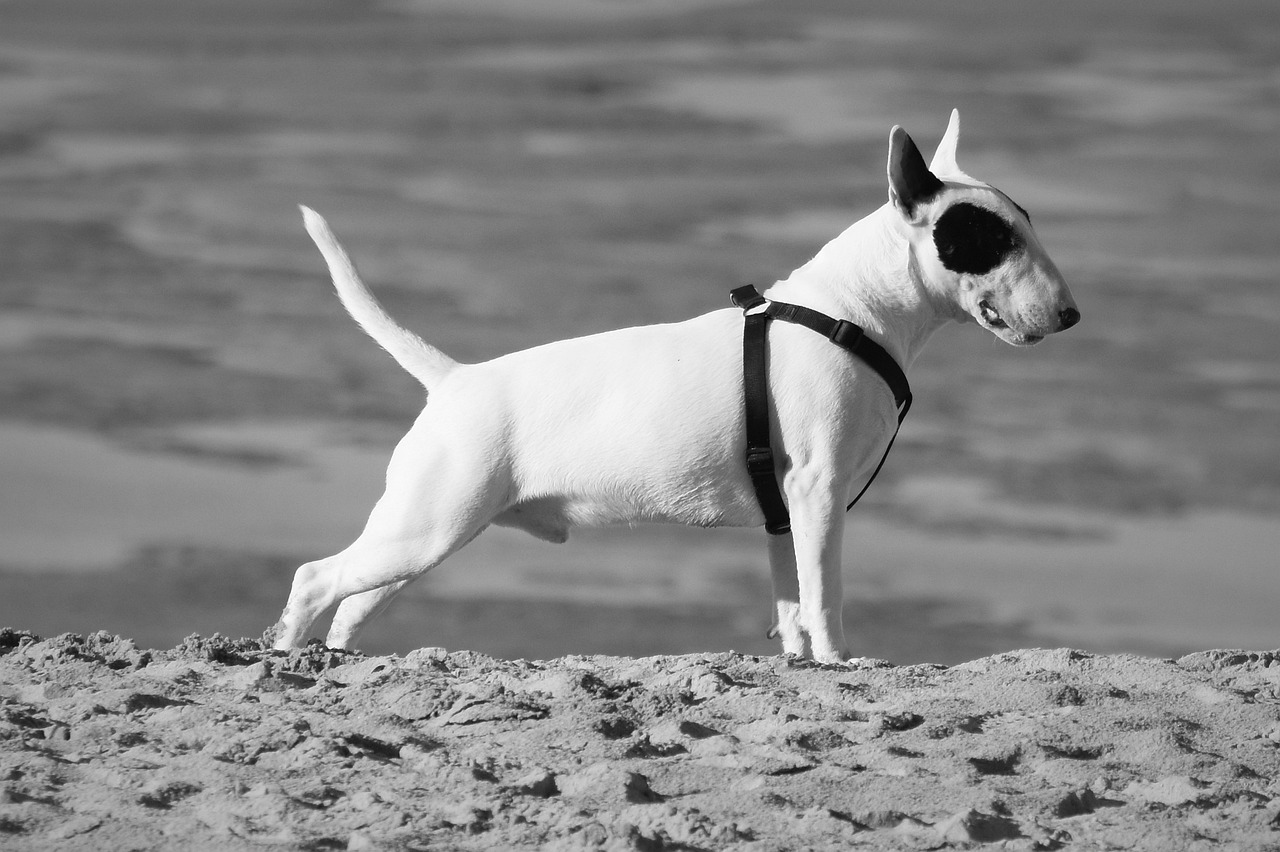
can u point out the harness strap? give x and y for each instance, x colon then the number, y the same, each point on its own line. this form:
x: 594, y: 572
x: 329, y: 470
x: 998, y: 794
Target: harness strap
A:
x: 759, y: 454
x: 848, y: 336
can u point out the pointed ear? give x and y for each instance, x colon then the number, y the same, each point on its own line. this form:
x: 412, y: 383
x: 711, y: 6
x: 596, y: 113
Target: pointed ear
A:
x: 944, y: 159
x: 910, y: 181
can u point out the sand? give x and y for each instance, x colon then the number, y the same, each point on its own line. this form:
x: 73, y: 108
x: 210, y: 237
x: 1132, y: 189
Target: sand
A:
x: 220, y: 744
x: 180, y: 391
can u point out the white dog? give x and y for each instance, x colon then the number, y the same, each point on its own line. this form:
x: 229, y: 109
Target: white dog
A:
x: 647, y: 423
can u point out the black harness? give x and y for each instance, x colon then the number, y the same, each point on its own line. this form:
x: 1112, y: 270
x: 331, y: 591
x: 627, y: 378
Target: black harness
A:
x: 848, y: 336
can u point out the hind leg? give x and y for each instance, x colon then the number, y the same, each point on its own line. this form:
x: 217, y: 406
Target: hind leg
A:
x: 363, y: 567
x: 436, y: 501
x: 358, y: 610
x: 372, y: 565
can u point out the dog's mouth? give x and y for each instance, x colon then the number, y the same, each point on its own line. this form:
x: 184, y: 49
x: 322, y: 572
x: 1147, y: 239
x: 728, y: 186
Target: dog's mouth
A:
x: 990, y: 317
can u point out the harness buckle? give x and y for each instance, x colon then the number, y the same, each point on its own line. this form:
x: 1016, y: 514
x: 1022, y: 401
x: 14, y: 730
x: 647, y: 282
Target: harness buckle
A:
x: 846, y: 335
x: 746, y: 297
x: 759, y: 461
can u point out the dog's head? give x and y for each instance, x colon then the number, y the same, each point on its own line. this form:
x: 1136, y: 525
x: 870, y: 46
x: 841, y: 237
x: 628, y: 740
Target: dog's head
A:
x: 974, y: 246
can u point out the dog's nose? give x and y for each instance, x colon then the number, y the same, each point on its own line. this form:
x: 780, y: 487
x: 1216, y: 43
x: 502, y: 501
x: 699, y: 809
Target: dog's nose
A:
x: 1068, y: 317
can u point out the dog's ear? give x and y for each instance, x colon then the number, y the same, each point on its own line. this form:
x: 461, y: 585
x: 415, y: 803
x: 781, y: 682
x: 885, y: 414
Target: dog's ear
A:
x: 911, y: 184
x: 944, y: 159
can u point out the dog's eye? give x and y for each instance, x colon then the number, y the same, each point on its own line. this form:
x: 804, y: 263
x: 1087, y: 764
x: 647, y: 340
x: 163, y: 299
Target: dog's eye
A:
x: 972, y: 239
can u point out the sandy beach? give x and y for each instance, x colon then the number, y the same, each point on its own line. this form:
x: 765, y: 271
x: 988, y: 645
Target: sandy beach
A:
x: 218, y: 744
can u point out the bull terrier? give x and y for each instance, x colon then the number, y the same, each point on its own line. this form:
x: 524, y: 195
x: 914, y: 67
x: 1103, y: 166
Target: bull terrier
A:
x: 647, y: 423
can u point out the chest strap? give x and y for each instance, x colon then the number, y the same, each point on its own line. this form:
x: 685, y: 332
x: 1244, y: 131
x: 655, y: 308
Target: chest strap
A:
x: 848, y: 336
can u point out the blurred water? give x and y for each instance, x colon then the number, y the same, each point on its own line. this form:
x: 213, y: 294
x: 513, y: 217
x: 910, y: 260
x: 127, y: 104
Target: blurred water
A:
x: 180, y: 392
x: 1075, y: 577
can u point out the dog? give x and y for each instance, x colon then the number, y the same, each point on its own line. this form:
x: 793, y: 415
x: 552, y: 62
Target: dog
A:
x: 646, y: 423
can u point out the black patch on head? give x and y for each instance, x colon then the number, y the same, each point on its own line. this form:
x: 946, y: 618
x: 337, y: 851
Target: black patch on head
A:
x: 972, y: 239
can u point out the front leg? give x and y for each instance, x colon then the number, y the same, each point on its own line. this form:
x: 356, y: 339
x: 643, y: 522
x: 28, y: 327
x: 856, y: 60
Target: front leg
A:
x: 786, y: 594
x: 817, y: 524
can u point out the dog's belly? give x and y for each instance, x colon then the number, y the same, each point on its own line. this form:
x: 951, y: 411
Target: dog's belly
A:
x: 551, y: 518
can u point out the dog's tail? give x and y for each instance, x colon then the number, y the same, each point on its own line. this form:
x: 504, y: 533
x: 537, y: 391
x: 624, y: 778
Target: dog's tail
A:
x: 424, y: 362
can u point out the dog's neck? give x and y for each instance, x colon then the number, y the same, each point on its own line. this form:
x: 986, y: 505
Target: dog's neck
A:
x: 869, y: 275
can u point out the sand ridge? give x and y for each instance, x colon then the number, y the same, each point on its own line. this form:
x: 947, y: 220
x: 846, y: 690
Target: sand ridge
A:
x: 220, y: 743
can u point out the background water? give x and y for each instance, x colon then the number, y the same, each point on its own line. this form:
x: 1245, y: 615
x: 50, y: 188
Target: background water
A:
x: 186, y: 414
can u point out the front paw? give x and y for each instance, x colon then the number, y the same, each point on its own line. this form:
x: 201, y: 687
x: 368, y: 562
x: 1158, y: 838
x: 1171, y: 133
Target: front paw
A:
x: 793, y: 643
x: 832, y: 655
x: 788, y: 629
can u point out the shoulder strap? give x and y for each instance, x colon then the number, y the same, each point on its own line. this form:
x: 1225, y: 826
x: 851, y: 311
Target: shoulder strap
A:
x: 755, y: 387
x: 760, y: 464
x: 850, y: 337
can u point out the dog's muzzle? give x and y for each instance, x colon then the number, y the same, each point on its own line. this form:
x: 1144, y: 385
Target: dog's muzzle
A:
x: 990, y: 316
